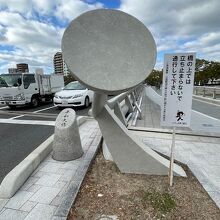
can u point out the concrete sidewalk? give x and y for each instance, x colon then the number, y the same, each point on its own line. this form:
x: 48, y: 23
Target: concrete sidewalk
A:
x: 51, y: 189
x: 200, y: 149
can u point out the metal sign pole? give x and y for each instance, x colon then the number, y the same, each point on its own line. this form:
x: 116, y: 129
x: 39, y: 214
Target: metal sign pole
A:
x: 172, y: 157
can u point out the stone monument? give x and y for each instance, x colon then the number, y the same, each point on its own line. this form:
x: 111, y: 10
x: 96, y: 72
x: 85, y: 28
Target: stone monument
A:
x: 110, y: 52
x: 67, y: 144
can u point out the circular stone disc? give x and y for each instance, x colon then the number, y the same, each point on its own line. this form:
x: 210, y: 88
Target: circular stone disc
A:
x: 108, y: 50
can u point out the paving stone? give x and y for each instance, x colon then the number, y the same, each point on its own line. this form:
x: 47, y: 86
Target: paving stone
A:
x: 39, y: 174
x: 57, y: 201
x: 208, y: 186
x: 51, y: 167
x: 34, y: 188
x: 61, y: 196
x: 31, y: 180
x: 45, y: 195
x: 42, y: 164
x: 61, y: 171
x: 67, y: 175
x: 48, y: 180
x: 28, y: 206
x: 41, y: 212
x: 215, y: 196
x: 60, y: 184
x: 216, y: 184
x: 11, y: 214
x: 18, y: 199
x: 58, y: 218
x: 1, y: 211
x: 2, y: 203
x: 71, y: 165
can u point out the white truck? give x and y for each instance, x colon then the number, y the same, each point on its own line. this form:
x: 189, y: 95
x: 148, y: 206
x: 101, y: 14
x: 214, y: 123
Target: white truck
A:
x: 28, y: 89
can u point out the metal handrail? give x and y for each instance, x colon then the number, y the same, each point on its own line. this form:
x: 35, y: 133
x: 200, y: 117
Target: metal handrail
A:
x: 125, y: 105
x: 119, y: 98
x: 207, y: 87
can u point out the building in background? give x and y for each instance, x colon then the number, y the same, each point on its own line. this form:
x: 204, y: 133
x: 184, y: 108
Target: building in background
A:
x: 22, y: 68
x: 59, y: 64
x: 39, y: 71
x: 12, y: 70
x: 65, y: 69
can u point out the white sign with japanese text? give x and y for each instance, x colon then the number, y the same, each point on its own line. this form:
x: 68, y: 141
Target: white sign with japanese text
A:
x: 178, y: 80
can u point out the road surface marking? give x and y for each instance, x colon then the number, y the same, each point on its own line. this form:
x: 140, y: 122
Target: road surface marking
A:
x: 19, y: 116
x: 207, y: 116
x: 4, y: 107
x: 44, y: 109
x: 27, y: 122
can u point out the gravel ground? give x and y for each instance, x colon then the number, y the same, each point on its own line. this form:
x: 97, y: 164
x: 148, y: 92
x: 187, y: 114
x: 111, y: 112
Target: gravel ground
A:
x: 106, y: 191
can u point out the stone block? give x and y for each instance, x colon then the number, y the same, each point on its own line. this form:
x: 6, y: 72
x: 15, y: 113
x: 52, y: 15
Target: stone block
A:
x: 67, y: 144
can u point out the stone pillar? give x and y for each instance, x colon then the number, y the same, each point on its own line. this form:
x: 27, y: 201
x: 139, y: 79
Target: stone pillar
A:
x: 196, y: 93
x: 67, y: 144
x: 214, y: 94
x: 204, y: 92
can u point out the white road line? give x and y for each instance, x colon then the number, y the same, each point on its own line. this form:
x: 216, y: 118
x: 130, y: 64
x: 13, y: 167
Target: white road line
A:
x: 27, y: 122
x: 4, y: 107
x: 44, y: 109
x: 207, y: 116
x: 19, y: 116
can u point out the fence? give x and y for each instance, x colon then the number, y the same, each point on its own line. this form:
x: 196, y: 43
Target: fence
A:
x: 126, y: 105
x: 207, y: 91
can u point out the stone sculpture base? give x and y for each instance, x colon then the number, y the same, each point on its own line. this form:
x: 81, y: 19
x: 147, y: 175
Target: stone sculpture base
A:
x: 128, y: 152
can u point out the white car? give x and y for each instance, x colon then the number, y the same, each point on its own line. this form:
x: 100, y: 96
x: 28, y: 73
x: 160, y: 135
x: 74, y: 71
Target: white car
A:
x: 74, y: 94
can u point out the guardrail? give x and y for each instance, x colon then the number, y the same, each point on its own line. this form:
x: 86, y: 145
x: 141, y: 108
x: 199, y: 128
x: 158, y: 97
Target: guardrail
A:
x: 206, y: 91
x: 126, y: 105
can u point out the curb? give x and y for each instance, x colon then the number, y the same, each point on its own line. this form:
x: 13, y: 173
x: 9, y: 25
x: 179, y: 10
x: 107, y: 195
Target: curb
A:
x: 17, y: 176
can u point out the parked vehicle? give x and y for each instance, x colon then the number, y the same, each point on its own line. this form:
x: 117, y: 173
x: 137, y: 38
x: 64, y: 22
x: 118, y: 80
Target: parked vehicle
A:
x: 73, y: 94
x: 28, y: 89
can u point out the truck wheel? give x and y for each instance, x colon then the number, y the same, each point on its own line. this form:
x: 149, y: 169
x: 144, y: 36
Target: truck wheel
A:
x: 34, y: 101
x: 12, y: 106
x: 86, y: 104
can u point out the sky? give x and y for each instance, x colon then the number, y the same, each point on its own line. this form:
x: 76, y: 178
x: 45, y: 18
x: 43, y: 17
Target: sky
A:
x: 31, y: 30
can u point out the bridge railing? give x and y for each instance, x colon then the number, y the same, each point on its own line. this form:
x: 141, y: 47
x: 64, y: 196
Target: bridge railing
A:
x: 206, y: 91
x: 126, y: 106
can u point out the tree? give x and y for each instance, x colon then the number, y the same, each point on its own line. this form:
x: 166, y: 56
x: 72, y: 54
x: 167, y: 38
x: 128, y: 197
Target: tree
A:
x: 155, y: 78
x: 206, y: 71
x: 69, y: 78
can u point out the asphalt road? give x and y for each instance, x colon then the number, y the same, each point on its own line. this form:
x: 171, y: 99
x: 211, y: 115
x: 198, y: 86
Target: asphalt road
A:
x: 19, y: 140
x: 206, y: 108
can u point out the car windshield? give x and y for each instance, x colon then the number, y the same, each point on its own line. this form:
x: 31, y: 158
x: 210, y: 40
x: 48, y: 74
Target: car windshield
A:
x: 74, y: 86
x: 3, y: 83
x: 7, y: 80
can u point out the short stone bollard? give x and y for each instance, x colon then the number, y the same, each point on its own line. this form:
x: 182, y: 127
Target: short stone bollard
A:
x: 67, y: 144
